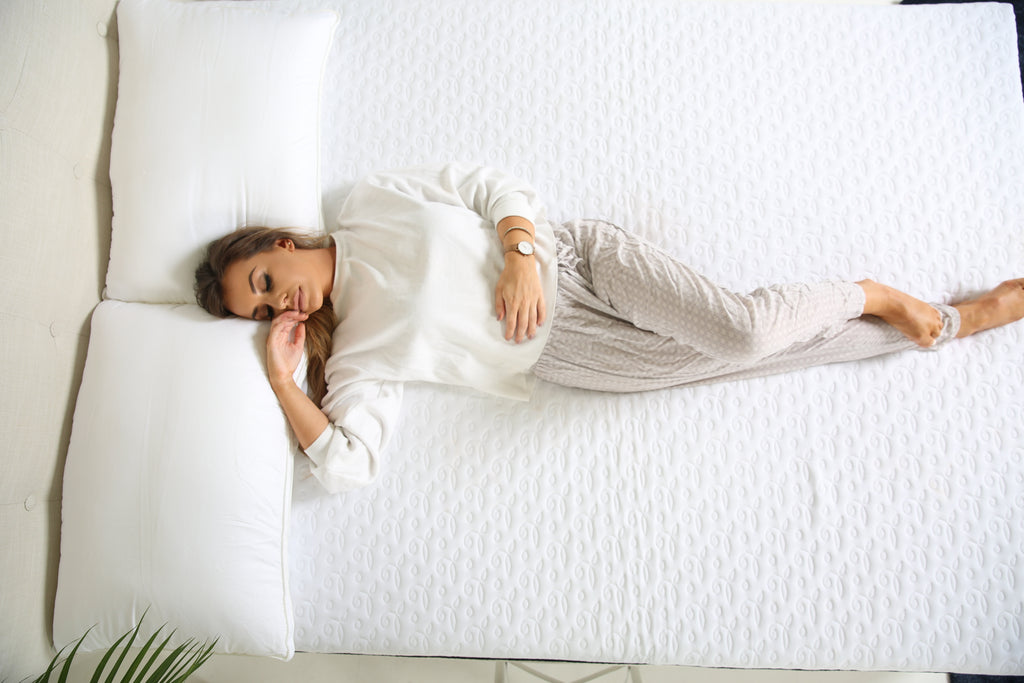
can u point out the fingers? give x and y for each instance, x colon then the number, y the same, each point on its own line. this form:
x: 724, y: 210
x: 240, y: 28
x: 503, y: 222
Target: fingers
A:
x: 299, y: 334
x: 519, y: 301
x: 499, y: 305
x: 517, y: 327
x: 522, y: 321
x: 293, y: 316
x: 287, y: 329
x: 285, y: 344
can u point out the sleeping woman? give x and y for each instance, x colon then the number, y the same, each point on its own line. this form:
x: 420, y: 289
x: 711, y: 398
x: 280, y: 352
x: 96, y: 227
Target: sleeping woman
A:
x: 453, y: 274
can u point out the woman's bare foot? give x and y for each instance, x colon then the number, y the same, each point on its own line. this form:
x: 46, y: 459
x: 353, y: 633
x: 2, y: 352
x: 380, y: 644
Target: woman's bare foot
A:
x: 917, y: 320
x: 998, y: 307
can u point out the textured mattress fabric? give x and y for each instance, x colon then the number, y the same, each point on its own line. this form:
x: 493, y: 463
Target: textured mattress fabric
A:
x: 861, y: 516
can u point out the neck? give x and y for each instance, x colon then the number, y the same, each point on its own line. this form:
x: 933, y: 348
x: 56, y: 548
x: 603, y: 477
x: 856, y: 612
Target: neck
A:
x: 324, y: 260
x: 319, y: 263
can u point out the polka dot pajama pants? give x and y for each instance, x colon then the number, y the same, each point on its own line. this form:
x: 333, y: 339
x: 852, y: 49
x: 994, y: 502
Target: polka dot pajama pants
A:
x: 630, y: 317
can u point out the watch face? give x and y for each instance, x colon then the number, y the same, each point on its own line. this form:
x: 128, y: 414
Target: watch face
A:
x: 525, y: 248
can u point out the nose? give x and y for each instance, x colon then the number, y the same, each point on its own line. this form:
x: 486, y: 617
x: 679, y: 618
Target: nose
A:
x: 278, y: 304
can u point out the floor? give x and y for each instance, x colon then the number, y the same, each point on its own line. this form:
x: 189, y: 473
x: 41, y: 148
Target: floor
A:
x: 363, y: 669
x: 345, y: 668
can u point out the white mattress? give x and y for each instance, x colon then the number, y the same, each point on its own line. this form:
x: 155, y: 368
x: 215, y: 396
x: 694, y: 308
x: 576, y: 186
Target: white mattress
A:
x: 863, y: 516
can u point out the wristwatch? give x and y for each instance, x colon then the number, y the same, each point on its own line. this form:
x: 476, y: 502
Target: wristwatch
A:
x: 525, y: 248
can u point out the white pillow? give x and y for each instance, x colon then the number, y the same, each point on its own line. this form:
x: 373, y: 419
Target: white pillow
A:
x: 177, y: 487
x: 216, y: 127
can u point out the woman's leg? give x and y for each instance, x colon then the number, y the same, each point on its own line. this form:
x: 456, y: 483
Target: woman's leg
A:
x: 629, y: 317
x: 1001, y: 306
x: 649, y: 288
x: 895, y: 322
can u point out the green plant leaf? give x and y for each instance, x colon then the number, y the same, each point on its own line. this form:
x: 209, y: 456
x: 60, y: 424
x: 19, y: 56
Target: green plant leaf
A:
x: 200, y: 658
x: 180, y: 659
x: 67, y: 663
x: 110, y: 652
x: 152, y: 659
x: 176, y: 666
x: 45, y: 676
x: 159, y: 675
x: 139, y: 657
x: 124, y: 653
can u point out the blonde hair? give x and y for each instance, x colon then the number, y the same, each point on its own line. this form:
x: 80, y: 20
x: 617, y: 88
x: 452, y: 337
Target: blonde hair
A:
x: 245, y: 243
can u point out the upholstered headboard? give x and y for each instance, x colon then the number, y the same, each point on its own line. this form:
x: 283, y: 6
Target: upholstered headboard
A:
x: 58, y: 74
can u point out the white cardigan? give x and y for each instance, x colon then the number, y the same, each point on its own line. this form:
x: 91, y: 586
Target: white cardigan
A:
x: 417, y: 263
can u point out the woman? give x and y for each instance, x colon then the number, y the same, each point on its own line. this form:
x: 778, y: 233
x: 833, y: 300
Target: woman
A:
x: 447, y: 274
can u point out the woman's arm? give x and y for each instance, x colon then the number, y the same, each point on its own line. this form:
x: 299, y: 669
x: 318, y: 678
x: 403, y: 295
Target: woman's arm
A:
x: 284, y: 351
x: 345, y: 439
x: 519, y: 297
x: 497, y: 197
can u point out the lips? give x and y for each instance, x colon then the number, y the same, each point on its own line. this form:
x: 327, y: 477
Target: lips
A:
x: 299, y: 301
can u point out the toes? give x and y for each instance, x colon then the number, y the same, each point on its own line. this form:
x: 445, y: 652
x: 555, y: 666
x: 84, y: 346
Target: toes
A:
x: 932, y: 332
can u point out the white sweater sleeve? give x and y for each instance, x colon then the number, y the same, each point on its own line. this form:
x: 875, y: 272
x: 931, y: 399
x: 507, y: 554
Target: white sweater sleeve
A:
x: 488, y: 192
x: 347, y: 453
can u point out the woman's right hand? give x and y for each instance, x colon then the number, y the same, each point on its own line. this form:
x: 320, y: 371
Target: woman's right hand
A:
x: 284, y: 351
x: 284, y: 347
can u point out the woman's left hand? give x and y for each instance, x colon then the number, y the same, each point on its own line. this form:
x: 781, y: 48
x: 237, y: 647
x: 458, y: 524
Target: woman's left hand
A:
x: 519, y: 298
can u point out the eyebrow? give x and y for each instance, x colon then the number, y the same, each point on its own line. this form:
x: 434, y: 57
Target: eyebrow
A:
x: 252, y: 286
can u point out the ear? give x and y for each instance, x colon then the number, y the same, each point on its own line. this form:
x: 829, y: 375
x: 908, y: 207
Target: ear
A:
x: 285, y: 243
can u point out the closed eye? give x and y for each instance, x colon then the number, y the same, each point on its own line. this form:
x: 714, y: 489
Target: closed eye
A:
x: 268, y: 312
x: 262, y: 314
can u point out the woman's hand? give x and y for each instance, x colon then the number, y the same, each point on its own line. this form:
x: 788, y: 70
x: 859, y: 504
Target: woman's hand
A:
x: 284, y: 351
x: 519, y: 297
x: 284, y: 347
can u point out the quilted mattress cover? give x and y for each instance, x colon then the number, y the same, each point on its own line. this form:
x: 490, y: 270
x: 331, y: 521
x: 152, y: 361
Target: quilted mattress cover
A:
x: 862, y: 516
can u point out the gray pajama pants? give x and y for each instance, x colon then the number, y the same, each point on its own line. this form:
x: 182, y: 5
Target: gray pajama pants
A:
x: 630, y: 317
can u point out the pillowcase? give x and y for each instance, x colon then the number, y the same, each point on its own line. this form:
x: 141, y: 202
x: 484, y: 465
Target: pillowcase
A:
x: 216, y: 127
x: 177, y: 487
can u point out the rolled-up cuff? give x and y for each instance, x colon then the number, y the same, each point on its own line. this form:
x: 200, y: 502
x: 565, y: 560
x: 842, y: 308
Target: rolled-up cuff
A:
x: 855, y: 300
x: 950, y: 324
x: 317, y: 451
x: 515, y: 204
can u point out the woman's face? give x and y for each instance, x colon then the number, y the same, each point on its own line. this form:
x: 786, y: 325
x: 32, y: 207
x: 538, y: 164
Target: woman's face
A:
x: 272, y: 282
